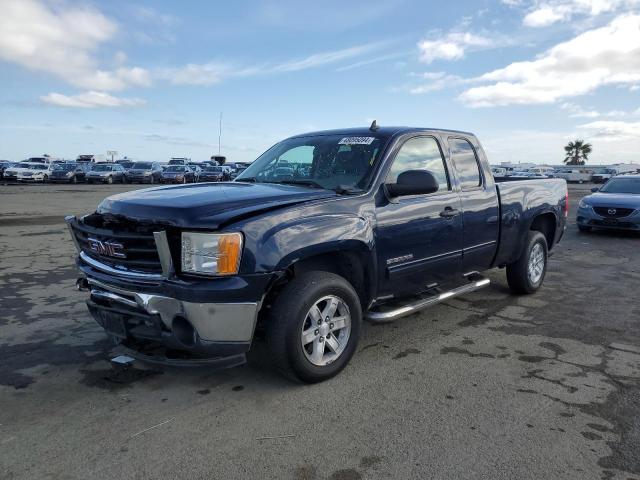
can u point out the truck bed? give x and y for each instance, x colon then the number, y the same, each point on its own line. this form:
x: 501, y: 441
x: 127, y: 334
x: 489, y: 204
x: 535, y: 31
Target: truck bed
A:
x: 520, y: 202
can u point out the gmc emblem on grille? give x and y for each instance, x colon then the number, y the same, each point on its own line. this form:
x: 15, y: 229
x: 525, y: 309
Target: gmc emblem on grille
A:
x: 612, y: 211
x: 110, y: 249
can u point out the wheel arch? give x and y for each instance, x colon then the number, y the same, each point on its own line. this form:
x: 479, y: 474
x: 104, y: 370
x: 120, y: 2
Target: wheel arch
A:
x: 545, y: 223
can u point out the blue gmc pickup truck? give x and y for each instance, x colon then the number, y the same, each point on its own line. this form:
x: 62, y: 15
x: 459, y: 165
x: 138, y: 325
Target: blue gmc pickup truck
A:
x: 322, y: 231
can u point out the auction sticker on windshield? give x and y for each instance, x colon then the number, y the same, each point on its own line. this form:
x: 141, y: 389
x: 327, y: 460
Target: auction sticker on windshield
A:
x: 356, y: 141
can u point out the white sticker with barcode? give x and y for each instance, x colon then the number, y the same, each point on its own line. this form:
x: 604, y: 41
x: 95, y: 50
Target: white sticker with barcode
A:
x: 356, y: 141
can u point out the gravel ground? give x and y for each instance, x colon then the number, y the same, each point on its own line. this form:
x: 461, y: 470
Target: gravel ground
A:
x: 488, y: 385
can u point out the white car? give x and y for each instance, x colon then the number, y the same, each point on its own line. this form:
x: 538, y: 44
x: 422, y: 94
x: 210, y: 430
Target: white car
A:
x: 34, y: 172
x: 12, y: 173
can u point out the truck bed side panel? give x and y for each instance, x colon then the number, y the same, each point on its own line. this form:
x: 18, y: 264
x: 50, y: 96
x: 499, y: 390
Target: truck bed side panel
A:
x: 520, y: 203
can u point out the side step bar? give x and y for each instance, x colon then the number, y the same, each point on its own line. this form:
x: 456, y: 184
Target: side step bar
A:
x: 393, y: 314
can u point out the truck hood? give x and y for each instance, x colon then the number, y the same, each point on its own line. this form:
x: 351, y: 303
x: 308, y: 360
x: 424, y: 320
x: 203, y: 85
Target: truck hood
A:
x: 622, y: 200
x: 206, y: 205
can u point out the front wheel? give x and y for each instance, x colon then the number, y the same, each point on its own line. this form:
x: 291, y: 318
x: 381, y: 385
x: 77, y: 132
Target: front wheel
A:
x: 314, y: 326
x: 526, y: 274
x: 109, y: 180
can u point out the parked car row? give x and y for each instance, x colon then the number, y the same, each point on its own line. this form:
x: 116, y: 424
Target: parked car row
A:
x: 572, y: 174
x: 122, y: 171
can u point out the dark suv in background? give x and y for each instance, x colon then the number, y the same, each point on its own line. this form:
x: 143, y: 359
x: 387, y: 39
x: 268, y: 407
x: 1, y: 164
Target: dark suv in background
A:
x: 70, y: 172
x: 144, y: 172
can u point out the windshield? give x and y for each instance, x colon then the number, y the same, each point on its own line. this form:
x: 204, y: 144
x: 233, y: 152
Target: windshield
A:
x: 622, y: 185
x: 102, y: 168
x: 141, y: 166
x: 334, y: 162
x: 66, y: 167
x: 175, y: 168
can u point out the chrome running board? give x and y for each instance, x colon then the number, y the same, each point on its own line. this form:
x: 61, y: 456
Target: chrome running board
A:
x: 388, y: 315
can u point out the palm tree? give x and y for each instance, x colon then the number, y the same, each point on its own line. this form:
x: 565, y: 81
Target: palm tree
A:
x: 577, y: 153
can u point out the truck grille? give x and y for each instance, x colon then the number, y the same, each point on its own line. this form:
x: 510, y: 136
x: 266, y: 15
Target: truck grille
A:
x: 613, y: 212
x: 119, y: 244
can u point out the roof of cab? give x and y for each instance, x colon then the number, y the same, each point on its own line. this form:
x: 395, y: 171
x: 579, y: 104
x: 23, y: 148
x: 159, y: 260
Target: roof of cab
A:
x: 385, y: 131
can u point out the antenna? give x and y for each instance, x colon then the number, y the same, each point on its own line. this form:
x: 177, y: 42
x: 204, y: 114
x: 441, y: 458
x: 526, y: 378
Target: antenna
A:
x: 374, y: 126
x: 219, y: 133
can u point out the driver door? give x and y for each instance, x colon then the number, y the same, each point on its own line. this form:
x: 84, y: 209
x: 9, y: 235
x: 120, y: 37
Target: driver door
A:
x: 418, y: 237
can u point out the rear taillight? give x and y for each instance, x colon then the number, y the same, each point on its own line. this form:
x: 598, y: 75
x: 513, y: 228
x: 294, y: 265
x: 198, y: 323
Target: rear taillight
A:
x: 566, y: 204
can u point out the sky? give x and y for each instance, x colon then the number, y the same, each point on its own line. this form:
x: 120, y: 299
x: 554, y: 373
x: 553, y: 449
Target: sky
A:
x: 151, y: 79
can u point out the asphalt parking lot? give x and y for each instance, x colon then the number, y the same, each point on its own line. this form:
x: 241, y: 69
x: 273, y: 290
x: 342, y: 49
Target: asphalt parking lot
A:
x: 485, y: 386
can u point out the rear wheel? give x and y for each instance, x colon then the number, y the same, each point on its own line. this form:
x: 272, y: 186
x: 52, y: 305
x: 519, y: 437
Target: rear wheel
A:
x: 526, y: 274
x: 314, y: 325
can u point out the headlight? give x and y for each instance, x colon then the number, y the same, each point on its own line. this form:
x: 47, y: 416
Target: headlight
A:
x: 211, y: 253
x: 583, y: 204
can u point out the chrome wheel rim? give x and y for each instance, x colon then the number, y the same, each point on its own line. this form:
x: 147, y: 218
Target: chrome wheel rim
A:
x: 536, y: 264
x: 326, y: 330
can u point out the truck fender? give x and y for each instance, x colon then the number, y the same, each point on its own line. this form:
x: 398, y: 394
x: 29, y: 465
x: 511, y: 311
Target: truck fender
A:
x: 285, y: 244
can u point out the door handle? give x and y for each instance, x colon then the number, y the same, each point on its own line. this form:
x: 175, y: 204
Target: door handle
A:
x: 449, y: 212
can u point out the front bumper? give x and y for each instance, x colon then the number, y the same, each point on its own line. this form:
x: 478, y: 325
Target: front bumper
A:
x: 205, y: 329
x: 586, y: 217
x: 31, y: 179
x: 139, y: 178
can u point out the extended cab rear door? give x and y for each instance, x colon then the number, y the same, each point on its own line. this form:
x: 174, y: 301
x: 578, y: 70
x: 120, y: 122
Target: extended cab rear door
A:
x: 479, y: 203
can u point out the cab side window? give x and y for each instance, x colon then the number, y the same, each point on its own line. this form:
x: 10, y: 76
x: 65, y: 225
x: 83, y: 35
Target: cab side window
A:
x: 420, y: 153
x: 465, y: 162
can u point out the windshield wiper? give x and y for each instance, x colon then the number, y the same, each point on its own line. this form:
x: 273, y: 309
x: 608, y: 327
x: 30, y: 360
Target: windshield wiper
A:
x: 342, y: 190
x: 304, y: 183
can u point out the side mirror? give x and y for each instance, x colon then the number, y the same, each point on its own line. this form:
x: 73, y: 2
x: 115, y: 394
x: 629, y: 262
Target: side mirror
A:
x: 595, y: 189
x: 413, y: 182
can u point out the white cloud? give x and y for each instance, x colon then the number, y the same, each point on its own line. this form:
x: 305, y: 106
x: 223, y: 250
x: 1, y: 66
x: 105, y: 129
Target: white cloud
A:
x: 451, y: 46
x: 434, y: 81
x: 609, y: 55
x: 543, y: 17
x: 150, y: 15
x: 576, y: 111
x: 547, y: 12
x: 324, y: 58
x: 61, y: 40
x: 90, y: 99
x: 613, y: 130
x: 197, y: 74
x: 212, y: 73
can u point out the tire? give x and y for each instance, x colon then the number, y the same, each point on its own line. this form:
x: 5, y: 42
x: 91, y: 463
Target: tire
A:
x: 152, y: 180
x: 74, y: 179
x: 109, y: 180
x: 291, y: 314
x: 518, y: 273
x: 45, y: 179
